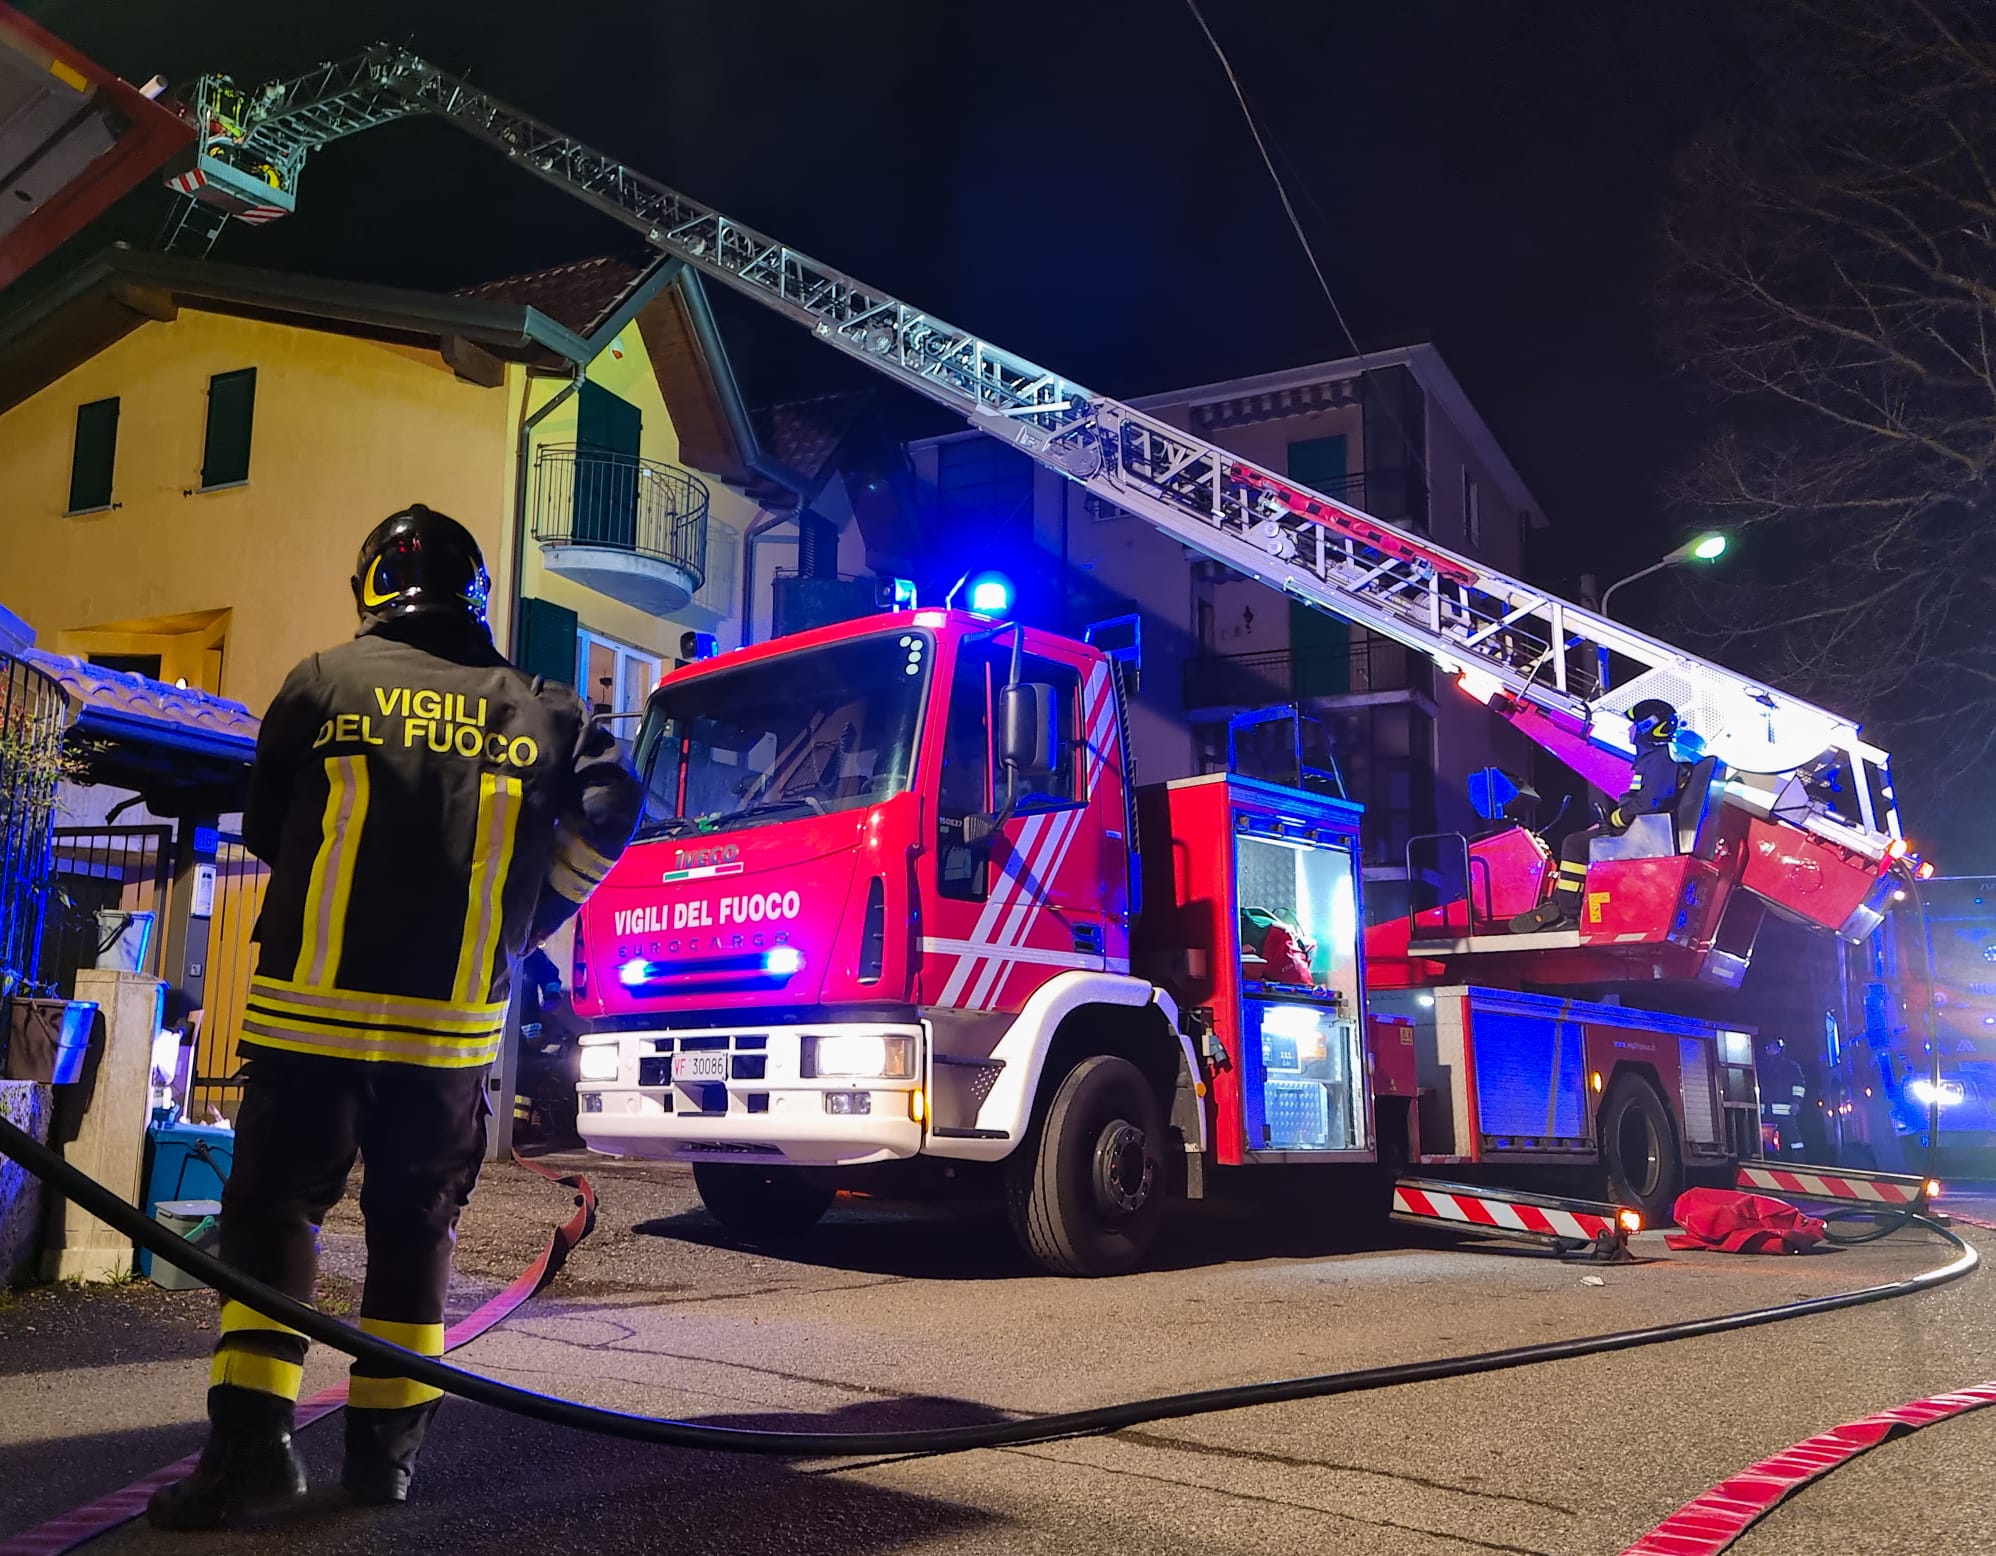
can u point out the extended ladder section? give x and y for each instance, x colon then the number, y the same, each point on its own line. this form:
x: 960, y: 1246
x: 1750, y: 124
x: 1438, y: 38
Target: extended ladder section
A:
x: 1533, y: 655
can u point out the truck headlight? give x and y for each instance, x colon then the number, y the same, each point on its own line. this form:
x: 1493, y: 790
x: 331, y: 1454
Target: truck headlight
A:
x: 601, y: 1062
x: 861, y: 1054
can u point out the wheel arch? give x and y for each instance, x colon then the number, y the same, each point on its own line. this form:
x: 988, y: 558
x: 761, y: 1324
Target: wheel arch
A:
x: 1067, y: 1018
x: 1643, y: 1070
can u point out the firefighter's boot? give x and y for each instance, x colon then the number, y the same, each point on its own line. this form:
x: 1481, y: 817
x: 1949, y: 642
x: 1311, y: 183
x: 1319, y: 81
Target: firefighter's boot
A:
x: 381, y: 1452
x: 1556, y: 912
x: 1562, y: 909
x: 249, y: 1469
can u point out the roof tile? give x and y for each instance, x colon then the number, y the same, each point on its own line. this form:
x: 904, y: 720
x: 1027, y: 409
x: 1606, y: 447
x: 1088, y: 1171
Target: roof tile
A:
x: 579, y: 295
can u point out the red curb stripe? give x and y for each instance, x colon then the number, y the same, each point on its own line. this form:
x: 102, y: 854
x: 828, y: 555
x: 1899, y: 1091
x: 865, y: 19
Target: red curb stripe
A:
x: 1710, y: 1523
x: 68, y: 1530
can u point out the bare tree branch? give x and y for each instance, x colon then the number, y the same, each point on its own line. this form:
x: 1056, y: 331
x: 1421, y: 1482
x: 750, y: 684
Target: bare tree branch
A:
x: 1828, y: 290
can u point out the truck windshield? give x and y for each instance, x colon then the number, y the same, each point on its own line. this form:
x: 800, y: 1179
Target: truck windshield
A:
x: 818, y: 730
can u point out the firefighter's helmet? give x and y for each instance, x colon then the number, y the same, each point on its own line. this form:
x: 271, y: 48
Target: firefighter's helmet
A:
x: 1654, y: 722
x: 420, y: 561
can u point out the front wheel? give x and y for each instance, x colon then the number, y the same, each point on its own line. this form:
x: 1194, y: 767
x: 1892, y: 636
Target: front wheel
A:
x: 1639, y: 1149
x: 761, y: 1202
x: 1085, y: 1190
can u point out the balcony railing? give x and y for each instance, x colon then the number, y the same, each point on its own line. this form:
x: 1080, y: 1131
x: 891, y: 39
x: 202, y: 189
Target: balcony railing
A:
x: 586, y: 497
x: 1263, y: 680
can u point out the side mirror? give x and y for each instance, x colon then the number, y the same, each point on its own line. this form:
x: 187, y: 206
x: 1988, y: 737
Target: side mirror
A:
x: 1025, y: 724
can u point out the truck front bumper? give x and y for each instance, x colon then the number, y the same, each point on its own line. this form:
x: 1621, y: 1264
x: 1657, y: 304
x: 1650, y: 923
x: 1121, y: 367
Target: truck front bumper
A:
x: 770, y: 1105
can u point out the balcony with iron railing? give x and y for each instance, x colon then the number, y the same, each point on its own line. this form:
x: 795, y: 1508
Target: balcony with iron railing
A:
x: 633, y: 529
x: 1369, y: 666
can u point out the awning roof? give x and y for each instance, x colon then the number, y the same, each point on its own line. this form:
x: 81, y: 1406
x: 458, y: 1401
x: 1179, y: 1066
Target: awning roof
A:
x: 184, y: 750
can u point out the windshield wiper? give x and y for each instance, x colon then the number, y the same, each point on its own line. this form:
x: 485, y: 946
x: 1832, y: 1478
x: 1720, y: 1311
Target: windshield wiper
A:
x: 770, y: 807
x: 670, y: 826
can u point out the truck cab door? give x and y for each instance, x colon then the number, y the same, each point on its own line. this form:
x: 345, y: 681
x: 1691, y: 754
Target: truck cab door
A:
x: 1031, y: 899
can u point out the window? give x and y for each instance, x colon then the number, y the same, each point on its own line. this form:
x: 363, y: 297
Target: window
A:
x: 808, y: 732
x: 225, y: 456
x: 96, y: 450
x: 1319, y: 463
x: 1472, y: 511
x: 983, y: 483
x: 612, y: 676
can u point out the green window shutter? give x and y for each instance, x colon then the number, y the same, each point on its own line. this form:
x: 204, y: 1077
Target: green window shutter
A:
x: 547, y: 640
x: 1319, y: 643
x: 225, y: 456
x: 95, y: 452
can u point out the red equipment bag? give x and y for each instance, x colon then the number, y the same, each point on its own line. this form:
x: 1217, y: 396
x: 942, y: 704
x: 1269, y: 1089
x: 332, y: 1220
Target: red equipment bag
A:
x: 1732, y: 1222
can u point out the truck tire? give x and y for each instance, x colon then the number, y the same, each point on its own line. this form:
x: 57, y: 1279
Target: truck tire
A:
x: 774, y: 1203
x: 1639, y: 1150
x: 1085, y: 1190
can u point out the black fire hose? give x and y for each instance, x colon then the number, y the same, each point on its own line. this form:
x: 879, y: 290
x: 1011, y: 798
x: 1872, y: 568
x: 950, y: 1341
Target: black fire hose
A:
x: 115, y: 1212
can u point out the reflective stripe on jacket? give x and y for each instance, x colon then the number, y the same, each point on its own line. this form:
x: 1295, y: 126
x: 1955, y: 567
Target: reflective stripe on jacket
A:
x: 428, y: 812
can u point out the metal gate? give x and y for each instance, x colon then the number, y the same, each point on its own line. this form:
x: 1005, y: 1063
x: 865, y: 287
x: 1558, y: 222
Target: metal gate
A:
x: 33, y: 710
x: 108, y: 897
x: 240, y: 879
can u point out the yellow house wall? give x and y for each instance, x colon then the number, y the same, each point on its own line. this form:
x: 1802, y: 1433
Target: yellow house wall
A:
x: 344, y: 432
x: 629, y: 376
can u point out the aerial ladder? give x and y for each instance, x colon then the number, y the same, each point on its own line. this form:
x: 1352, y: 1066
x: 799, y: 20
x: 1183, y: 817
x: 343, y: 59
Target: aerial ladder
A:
x: 1822, y: 793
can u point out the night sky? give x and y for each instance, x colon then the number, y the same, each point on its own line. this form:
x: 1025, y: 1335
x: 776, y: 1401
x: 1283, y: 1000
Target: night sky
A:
x: 1075, y: 182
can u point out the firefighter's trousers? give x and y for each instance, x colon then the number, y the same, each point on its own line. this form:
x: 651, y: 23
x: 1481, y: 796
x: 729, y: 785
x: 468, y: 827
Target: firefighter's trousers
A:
x: 421, y: 1135
x: 1571, y: 882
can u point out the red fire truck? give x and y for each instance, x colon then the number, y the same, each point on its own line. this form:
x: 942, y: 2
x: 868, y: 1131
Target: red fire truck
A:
x: 895, y: 904
x: 898, y: 906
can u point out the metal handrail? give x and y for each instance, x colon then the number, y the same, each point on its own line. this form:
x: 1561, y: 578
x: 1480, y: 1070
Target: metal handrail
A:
x: 594, y: 497
x: 33, y: 715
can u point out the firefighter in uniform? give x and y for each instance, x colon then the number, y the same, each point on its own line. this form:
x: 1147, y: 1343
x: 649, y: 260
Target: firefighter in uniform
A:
x: 1654, y: 781
x: 428, y: 813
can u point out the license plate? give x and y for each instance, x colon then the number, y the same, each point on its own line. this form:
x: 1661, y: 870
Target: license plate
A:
x: 699, y: 1067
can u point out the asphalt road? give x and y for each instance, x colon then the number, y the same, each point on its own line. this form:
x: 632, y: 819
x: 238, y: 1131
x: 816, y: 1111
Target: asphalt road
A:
x: 890, y: 1319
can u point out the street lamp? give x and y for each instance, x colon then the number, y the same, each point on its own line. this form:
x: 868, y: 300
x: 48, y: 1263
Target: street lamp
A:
x: 1699, y: 548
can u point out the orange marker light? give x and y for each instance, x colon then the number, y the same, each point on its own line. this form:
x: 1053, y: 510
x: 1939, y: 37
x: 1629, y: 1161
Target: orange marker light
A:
x: 1594, y: 1080
x: 1896, y: 849
x: 1629, y: 1221
x: 1933, y: 1188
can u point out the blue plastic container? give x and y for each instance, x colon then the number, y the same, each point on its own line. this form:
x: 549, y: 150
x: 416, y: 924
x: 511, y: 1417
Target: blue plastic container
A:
x: 176, y: 1171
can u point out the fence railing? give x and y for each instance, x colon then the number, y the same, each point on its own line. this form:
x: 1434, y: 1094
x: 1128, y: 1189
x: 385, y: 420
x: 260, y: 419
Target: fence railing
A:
x: 1280, y: 675
x: 587, y: 497
x: 109, y: 896
x: 32, y: 714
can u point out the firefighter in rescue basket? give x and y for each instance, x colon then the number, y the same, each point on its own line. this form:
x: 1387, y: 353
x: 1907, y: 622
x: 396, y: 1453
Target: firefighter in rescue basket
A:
x: 1655, y: 781
x: 429, y: 813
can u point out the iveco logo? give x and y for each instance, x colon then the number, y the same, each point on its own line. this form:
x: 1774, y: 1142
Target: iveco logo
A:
x: 694, y: 858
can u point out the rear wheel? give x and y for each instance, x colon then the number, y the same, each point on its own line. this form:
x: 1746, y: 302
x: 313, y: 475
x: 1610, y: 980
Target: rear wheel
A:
x: 1085, y: 1190
x: 761, y: 1202
x: 1639, y: 1149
